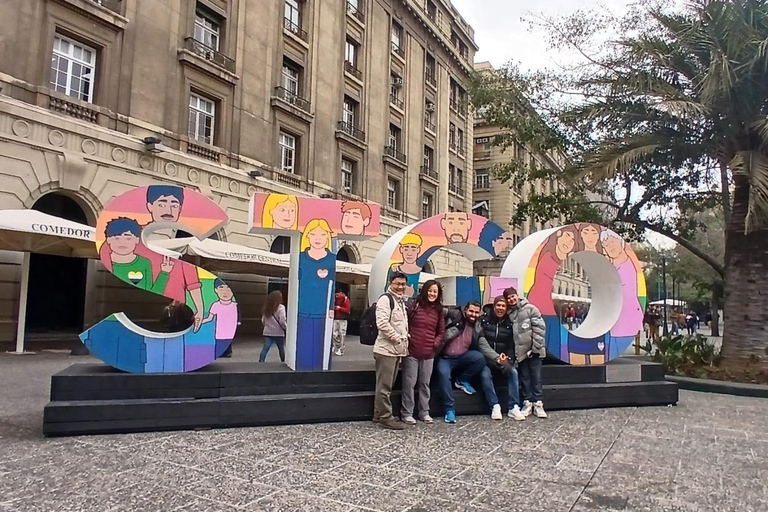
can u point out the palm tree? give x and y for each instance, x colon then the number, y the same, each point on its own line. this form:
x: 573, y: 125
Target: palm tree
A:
x: 691, y: 90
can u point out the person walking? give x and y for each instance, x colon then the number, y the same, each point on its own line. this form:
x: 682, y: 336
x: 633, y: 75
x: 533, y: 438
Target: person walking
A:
x: 341, y: 309
x: 426, y: 326
x: 654, y: 322
x: 274, y: 320
x: 390, y: 346
x: 528, y: 330
x: 460, y: 351
x: 570, y: 316
x: 498, y: 347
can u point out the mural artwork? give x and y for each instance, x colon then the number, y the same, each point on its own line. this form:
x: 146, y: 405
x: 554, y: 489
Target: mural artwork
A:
x: 122, y: 231
x: 473, y: 236
x: 315, y: 227
x: 618, y: 297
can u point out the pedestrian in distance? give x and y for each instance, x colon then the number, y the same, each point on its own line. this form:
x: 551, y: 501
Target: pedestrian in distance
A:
x: 528, y: 330
x: 274, y: 320
x: 570, y: 316
x: 460, y: 353
x: 498, y: 346
x: 390, y: 347
x: 426, y: 326
x: 341, y: 308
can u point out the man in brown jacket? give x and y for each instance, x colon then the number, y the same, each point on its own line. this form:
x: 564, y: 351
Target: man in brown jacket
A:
x: 391, y: 345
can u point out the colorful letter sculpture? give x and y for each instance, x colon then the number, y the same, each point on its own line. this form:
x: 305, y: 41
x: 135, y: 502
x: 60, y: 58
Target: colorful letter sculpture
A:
x: 314, y: 226
x: 408, y: 250
x: 122, y: 232
x: 617, y: 281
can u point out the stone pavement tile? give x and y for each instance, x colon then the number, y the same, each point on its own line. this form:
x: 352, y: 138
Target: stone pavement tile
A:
x: 307, y: 482
x: 173, y: 476
x: 433, y: 504
x: 185, y: 454
x: 452, y: 490
x: 387, y: 476
x: 248, y: 469
x: 287, y: 501
x: 374, y: 498
x: 232, y: 491
x: 201, y: 504
x: 308, y: 461
x: 545, y: 497
x: 446, y: 466
x: 372, y: 455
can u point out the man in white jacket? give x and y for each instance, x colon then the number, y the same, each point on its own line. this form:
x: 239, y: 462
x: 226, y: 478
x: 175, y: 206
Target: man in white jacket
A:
x: 390, y: 347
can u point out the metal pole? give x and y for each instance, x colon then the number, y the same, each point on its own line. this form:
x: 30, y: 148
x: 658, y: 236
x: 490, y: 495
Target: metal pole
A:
x: 22, y: 320
x: 664, y: 281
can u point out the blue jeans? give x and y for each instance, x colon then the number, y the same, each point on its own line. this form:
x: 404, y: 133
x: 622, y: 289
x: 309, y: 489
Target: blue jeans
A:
x: 268, y: 342
x: 513, y: 386
x: 470, y: 363
x: 530, y: 378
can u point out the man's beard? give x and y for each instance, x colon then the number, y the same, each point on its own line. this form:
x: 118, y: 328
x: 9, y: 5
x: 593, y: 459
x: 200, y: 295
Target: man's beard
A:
x: 457, y: 239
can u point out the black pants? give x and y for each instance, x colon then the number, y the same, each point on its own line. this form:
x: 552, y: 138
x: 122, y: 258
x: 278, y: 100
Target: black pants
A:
x: 530, y: 378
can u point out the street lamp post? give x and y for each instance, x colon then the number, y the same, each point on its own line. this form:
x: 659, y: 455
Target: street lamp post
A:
x: 664, y: 285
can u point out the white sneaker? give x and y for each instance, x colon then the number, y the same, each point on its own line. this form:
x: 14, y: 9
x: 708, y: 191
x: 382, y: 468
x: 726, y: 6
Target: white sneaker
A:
x: 408, y: 420
x: 427, y: 419
x: 496, y: 412
x: 527, y: 409
x: 338, y: 352
x: 538, y: 410
x: 516, y: 414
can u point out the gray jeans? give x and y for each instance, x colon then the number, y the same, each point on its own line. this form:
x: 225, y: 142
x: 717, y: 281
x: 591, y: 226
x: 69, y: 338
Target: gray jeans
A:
x: 416, y: 374
x: 386, y: 374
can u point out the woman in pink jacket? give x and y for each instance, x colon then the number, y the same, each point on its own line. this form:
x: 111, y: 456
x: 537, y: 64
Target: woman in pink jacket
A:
x: 426, y: 327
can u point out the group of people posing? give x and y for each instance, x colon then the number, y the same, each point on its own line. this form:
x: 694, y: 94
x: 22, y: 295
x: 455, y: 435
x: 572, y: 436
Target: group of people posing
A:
x: 505, y: 338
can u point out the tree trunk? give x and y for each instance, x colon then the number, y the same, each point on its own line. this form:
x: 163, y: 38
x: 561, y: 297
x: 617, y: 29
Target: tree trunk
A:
x: 714, y: 306
x: 746, y: 286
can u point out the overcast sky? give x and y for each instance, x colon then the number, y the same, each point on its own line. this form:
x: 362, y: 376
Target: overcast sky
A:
x: 502, y: 36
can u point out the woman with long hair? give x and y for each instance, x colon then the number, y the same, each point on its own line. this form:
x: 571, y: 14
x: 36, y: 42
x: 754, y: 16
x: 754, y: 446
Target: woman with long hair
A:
x: 274, y: 320
x: 426, y: 327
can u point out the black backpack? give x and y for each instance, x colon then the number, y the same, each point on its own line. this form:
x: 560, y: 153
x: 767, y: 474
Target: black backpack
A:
x: 368, y: 329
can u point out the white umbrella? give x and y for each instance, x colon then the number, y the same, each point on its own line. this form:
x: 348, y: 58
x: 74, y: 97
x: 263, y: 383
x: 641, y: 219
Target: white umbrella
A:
x: 668, y: 302
x: 33, y: 231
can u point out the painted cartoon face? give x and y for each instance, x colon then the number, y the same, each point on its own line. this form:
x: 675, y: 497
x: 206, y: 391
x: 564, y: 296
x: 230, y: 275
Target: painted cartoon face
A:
x: 165, y: 209
x: 224, y: 292
x: 590, y: 236
x: 503, y: 244
x: 123, y: 244
x: 500, y: 309
x: 432, y: 293
x: 566, y: 242
x: 318, y: 238
x: 410, y: 253
x: 456, y: 226
x: 284, y: 215
x: 612, y: 247
x: 353, y: 223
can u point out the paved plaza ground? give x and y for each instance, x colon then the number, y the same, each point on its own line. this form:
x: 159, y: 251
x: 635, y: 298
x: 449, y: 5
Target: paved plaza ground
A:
x: 708, y: 453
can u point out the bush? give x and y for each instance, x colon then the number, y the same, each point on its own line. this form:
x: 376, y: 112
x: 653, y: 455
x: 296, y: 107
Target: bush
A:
x: 683, y: 354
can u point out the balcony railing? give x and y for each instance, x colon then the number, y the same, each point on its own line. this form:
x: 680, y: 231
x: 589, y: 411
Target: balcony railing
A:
x: 350, y: 130
x: 430, y: 78
x: 352, y: 70
x: 294, y: 29
x: 454, y: 105
x: 398, y: 50
x: 112, y: 5
x: 73, y: 109
x: 456, y: 189
x: 429, y: 172
x: 429, y: 125
x: 355, y: 12
x: 292, y: 98
x: 392, y: 151
x: 288, y: 178
x: 452, y: 146
x: 202, y: 151
x: 209, y: 54
x: 460, y: 148
x: 482, y: 155
x: 396, y: 101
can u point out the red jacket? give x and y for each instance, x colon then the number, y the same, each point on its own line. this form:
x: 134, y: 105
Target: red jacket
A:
x: 426, y: 327
x: 342, y: 301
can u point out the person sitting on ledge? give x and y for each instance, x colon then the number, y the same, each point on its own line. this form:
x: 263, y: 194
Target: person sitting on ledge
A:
x: 461, y: 351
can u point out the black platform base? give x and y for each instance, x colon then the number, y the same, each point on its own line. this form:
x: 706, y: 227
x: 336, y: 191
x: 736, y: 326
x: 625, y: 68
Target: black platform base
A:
x: 97, y: 399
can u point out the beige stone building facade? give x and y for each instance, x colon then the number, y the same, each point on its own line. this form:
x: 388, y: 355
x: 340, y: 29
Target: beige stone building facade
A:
x: 332, y: 98
x: 498, y: 200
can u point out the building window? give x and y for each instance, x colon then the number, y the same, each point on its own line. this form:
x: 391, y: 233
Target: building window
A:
x: 73, y: 68
x: 451, y: 176
x: 287, y: 152
x: 349, y: 113
x: 429, y: 158
x: 394, y: 137
x: 397, y: 37
x: 426, y: 205
x: 202, y: 118
x: 350, y: 52
x: 482, y: 179
x: 394, y: 90
x: 460, y: 180
x: 460, y: 141
x: 292, y: 14
x: 207, y: 30
x: 392, y: 193
x: 291, y: 77
x: 430, y: 69
x: 347, y: 175
x: 452, y: 136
